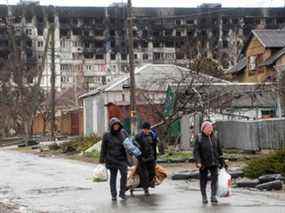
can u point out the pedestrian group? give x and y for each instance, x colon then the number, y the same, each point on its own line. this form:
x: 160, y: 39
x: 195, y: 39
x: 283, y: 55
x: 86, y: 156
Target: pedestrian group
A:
x: 207, y: 152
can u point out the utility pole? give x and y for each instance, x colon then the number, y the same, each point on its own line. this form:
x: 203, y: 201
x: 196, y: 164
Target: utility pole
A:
x: 53, y: 78
x: 278, y: 69
x: 131, y: 69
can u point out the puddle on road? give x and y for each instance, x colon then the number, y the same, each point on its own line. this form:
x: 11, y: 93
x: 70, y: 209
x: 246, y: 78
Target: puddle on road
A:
x: 57, y: 190
x: 4, y: 190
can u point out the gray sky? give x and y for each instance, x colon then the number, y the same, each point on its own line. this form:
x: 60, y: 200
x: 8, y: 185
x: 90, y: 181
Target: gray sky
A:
x: 161, y: 3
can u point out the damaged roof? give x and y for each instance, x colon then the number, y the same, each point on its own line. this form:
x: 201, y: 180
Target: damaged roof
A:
x: 241, y: 65
x: 157, y: 77
x: 270, y: 38
x: 270, y: 61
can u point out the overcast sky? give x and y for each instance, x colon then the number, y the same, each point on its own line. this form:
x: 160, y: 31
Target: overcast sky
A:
x: 161, y: 3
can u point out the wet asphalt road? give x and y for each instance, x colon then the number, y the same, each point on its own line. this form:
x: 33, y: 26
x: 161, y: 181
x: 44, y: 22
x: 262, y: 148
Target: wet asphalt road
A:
x: 57, y: 185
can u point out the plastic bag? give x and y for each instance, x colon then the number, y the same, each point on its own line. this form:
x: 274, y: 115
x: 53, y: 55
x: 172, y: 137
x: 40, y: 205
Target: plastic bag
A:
x: 133, y: 178
x: 224, y: 183
x: 100, y: 174
x: 160, y: 174
x: 131, y: 148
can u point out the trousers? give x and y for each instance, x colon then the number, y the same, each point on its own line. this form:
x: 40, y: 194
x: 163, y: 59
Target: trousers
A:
x: 204, y: 180
x: 113, y: 180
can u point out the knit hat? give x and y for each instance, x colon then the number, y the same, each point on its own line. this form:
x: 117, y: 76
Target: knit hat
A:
x: 205, y: 124
x: 146, y: 125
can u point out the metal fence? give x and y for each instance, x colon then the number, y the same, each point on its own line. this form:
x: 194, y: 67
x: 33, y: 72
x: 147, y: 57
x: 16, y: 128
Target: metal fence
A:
x: 252, y: 135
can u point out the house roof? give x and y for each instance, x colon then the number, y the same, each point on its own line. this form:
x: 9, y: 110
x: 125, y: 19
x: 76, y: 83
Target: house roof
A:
x: 245, y: 95
x: 238, y: 67
x: 270, y: 38
x: 66, y: 99
x: 155, y: 77
x: 270, y: 61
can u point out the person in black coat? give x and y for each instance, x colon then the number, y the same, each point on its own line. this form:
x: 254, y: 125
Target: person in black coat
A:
x: 147, y: 141
x: 113, y: 154
x: 208, y: 156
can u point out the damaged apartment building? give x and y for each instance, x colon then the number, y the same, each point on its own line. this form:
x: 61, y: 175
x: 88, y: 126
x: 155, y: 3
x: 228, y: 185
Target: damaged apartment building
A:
x: 92, y: 46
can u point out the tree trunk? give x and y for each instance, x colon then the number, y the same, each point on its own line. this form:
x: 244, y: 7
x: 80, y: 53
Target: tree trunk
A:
x: 27, y: 125
x: 44, y: 126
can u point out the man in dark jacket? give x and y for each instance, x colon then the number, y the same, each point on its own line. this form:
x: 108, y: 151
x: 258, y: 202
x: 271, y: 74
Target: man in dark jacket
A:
x: 147, y: 141
x: 208, y: 157
x: 113, y: 154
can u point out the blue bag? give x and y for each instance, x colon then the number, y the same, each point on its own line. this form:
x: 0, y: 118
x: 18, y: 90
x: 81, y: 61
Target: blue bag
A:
x: 131, y: 148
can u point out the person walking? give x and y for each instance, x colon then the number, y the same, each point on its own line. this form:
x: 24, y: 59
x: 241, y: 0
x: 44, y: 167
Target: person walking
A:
x: 208, y: 156
x: 114, y: 155
x: 147, y: 141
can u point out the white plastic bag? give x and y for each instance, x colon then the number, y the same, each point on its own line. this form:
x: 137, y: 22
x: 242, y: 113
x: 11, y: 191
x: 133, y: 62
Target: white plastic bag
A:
x: 224, y: 183
x: 100, y: 173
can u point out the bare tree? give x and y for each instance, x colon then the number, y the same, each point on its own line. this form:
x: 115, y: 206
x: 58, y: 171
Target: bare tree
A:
x: 21, y: 81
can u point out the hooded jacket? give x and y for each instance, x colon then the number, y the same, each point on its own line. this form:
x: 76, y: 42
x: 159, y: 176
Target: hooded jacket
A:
x: 208, y: 151
x: 148, y: 148
x: 113, y: 152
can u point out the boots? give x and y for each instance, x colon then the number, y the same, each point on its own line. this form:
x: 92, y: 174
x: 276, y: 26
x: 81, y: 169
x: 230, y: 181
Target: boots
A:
x: 204, y: 199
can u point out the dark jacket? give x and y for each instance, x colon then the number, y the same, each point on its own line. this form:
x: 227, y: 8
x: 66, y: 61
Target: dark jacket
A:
x: 113, y: 152
x: 208, y: 151
x: 147, y: 145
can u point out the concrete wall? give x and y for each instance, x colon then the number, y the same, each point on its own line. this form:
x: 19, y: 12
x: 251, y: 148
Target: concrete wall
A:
x: 252, y: 135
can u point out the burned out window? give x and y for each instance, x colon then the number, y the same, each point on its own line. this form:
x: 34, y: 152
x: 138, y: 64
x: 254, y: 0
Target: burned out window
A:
x: 225, y: 20
x: 136, y: 56
x: 99, y: 44
x: 99, y: 56
x: 225, y: 32
x: 113, y: 56
x: 40, y: 43
x: 75, y: 21
x: 124, y: 56
x: 99, y: 21
x: 145, y: 33
x: 169, y: 44
x: 157, y: 56
x: 145, y: 56
x: 87, y: 45
x: 156, y: 33
x: 88, y: 67
x: 136, y: 45
x: 4, y: 43
x: 40, y: 31
x: 76, y: 31
x: 29, y: 32
x: 179, y: 56
x: 113, y: 44
x: 86, y: 33
x: 178, y: 33
x: 156, y: 44
x: 144, y: 44
x: 225, y: 44
x: 235, y: 21
x: 29, y: 43
x: 168, y: 32
x: 112, y: 33
x: 190, y: 33
x: 63, y: 32
x: 99, y: 33
x: 88, y: 21
x: 178, y: 22
x: 88, y: 55
x: 191, y: 21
